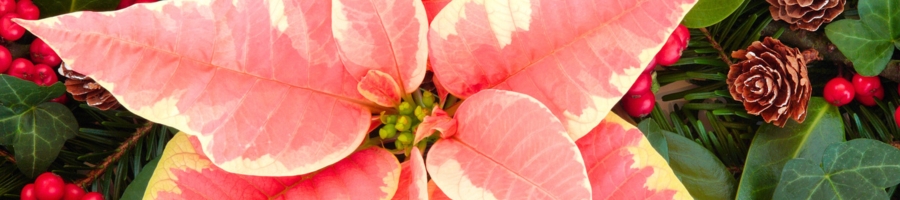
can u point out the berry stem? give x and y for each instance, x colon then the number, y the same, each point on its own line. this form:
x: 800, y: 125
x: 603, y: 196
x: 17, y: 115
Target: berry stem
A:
x: 8, y: 157
x: 124, y: 147
x: 715, y: 45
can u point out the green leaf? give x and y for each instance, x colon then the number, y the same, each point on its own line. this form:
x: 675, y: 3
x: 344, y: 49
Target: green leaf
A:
x: 136, y: 189
x: 709, y: 12
x: 17, y: 91
x: 867, y: 42
x: 40, y: 133
x: 656, y: 137
x: 857, y: 169
x: 772, y: 147
x: 869, y: 53
x: 58, y: 7
x: 701, y: 172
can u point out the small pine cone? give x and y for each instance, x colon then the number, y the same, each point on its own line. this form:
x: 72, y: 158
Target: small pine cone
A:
x: 771, y: 80
x: 84, y: 88
x: 806, y: 14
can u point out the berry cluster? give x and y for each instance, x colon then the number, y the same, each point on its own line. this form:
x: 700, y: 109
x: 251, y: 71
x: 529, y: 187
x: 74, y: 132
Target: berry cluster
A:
x: 640, y: 100
x: 10, y: 9
x: 49, y: 186
x: 40, y: 72
x: 839, y: 91
x: 402, y: 124
x: 126, y: 3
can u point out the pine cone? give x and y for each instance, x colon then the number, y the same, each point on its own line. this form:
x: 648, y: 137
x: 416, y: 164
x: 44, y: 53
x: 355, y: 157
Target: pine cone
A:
x: 84, y: 88
x: 806, y: 14
x: 771, y: 80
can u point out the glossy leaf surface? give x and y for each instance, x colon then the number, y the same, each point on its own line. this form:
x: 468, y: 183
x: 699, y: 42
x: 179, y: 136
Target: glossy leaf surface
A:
x: 264, y: 85
x: 576, y: 57
x: 856, y: 169
x: 702, y: 173
x: 185, y: 173
x: 772, y: 147
x: 710, y: 12
x: 138, y: 186
x: 503, y: 149
x: 622, y: 164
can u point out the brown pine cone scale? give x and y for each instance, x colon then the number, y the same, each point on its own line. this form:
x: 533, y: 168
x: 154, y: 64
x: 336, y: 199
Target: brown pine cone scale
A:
x: 806, y: 14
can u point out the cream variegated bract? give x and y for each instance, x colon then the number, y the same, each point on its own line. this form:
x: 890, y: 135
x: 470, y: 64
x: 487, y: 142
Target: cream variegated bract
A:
x: 184, y: 172
x: 269, y: 87
x: 413, y: 178
x: 622, y: 164
x: 507, y: 146
x: 576, y: 57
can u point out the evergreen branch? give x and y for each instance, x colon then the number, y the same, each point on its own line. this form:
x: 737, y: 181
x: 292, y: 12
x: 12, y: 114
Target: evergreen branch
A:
x: 124, y: 147
x: 716, y: 45
x: 8, y: 157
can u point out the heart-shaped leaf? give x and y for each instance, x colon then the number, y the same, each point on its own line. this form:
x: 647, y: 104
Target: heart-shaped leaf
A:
x: 576, y: 57
x: 34, y: 128
x: 264, y: 85
x: 772, y: 147
x: 413, y: 178
x: 622, y: 164
x: 709, y: 12
x: 185, y: 173
x: 702, y: 173
x: 868, y: 42
x: 856, y: 169
x: 502, y: 150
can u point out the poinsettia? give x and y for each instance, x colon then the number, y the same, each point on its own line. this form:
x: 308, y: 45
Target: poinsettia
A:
x: 289, y: 89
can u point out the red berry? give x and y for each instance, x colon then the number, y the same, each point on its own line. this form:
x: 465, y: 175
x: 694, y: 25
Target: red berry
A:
x: 670, y: 52
x: 866, y: 85
x: 650, y: 67
x: 5, y: 59
x: 44, y: 75
x: 145, y: 1
x: 9, y: 30
x: 124, y: 4
x: 839, y: 91
x: 7, y: 6
x: 22, y: 68
x: 48, y: 186
x: 896, y: 119
x: 641, y: 85
x: 92, y: 196
x: 869, y: 100
x: 42, y: 53
x: 639, y: 105
x: 27, y: 10
x: 682, y: 33
x: 28, y: 192
x: 62, y: 99
x: 73, y: 192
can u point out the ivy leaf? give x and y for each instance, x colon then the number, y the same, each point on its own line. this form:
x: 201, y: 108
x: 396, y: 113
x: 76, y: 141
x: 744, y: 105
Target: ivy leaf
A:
x: 709, y: 12
x: 39, y: 134
x: 857, y: 169
x: 772, y: 147
x: 656, y: 136
x: 867, y: 42
x: 702, y: 173
x: 17, y: 91
x: 58, y: 7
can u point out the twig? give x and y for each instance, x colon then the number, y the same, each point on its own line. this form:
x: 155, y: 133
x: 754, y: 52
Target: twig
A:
x: 715, y: 45
x: 8, y: 157
x: 124, y: 147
